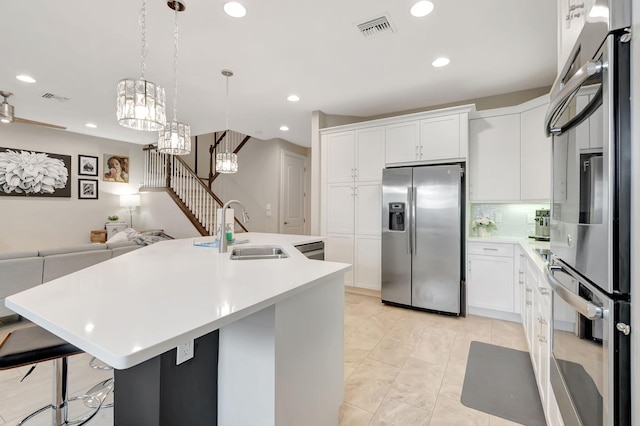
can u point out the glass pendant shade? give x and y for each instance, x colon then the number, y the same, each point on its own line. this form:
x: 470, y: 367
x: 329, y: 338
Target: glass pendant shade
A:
x: 175, y: 139
x: 141, y: 105
x: 226, y: 162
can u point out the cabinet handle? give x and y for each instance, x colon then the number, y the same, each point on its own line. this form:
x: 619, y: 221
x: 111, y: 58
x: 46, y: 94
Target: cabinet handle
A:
x: 355, y: 172
x: 417, y: 151
x: 529, y: 290
x: 529, y: 303
x: 543, y: 291
x: 542, y: 339
x: 489, y: 249
x: 421, y: 151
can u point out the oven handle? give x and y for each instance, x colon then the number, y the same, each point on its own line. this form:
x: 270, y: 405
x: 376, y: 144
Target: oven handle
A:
x: 580, y: 304
x: 564, y: 95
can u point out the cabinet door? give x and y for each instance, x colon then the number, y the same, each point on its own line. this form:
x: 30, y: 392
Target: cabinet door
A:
x: 369, y: 154
x: 340, y: 212
x: 490, y: 282
x: 494, y: 158
x: 368, y: 208
x: 440, y: 138
x: 340, y: 156
x: 339, y: 248
x: 401, y: 142
x: 535, y: 172
x: 367, y: 262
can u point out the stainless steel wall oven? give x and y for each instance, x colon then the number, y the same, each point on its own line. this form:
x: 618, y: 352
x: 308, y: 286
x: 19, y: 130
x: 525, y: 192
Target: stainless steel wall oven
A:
x: 589, y: 119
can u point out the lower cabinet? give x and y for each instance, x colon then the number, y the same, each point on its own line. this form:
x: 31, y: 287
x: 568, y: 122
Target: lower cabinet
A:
x: 490, y: 276
x: 363, y: 252
x: 537, y: 321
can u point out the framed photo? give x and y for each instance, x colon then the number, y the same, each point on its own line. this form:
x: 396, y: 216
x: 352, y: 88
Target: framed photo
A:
x: 25, y: 173
x: 87, y: 189
x: 116, y: 168
x: 87, y: 165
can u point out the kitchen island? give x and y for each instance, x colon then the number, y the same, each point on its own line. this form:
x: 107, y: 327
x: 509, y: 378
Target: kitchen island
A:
x: 279, y: 323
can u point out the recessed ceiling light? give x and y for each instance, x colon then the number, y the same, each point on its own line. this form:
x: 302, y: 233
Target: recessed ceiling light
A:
x: 235, y: 9
x: 293, y: 98
x: 440, y: 62
x: 421, y: 8
x: 26, y: 78
x: 284, y: 128
x: 91, y: 125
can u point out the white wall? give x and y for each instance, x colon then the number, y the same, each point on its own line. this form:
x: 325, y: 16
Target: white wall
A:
x: 159, y: 211
x: 37, y: 222
x: 257, y: 182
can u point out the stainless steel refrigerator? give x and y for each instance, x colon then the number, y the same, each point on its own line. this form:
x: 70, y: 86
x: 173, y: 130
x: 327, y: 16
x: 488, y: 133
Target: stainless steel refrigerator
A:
x: 422, y: 235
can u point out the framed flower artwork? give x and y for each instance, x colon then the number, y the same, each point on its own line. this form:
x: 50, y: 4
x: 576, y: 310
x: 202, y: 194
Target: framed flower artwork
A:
x: 25, y: 173
x: 87, y: 165
x: 87, y: 189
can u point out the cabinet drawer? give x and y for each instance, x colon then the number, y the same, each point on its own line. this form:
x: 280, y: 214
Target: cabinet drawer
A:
x: 490, y: 249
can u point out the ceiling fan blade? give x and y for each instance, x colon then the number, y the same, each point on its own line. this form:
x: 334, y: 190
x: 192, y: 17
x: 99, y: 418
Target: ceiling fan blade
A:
x: 37, y: 123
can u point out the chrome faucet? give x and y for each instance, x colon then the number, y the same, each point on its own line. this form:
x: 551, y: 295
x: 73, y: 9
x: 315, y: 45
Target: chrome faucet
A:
x: 245, y: 219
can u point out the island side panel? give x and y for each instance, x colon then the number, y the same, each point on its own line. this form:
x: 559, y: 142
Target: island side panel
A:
x: 246, y: 373
x: 309, y: 361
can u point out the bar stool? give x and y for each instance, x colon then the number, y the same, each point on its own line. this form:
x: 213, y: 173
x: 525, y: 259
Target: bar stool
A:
x: 33, y: 344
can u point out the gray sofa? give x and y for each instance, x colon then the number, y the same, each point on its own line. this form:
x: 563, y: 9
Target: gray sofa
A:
x: 22, y: 270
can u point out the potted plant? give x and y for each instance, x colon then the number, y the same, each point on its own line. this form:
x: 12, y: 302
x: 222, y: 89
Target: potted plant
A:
x: 483, y: 226
x: 113, y: 218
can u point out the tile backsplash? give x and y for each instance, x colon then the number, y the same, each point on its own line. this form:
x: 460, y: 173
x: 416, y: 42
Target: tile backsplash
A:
x: 512, y: 220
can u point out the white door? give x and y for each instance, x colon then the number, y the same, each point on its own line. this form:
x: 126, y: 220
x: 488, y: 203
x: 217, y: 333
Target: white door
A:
x: 292, y: 194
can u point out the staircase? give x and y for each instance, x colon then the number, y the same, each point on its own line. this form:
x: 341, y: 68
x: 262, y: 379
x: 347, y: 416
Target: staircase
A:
x: 193, y: 197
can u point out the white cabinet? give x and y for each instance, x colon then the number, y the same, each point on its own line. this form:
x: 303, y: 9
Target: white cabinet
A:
x: 494, y: 158
x: 537, y: 321
x: 353, y: 166
x: 402, y: 144
x: 535, y: 151
x: 441, y: 137
x: 490, y: 272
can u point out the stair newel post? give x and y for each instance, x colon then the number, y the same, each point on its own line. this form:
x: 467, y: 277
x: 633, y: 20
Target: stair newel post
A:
x: 168, y: 173
x: 211, y: 155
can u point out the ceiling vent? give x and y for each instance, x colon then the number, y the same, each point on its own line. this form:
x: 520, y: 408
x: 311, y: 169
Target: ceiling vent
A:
x: 55, y: 97
x: 376, y: 26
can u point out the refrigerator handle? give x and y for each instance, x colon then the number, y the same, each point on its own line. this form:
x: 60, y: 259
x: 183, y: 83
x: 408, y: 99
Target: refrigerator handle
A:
x: 409, y: 219
x: 414, y: 201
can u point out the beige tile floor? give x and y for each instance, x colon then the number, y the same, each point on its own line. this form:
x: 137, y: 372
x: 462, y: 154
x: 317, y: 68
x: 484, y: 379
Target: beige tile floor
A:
x: 401, y: 367
x: 404, y: 367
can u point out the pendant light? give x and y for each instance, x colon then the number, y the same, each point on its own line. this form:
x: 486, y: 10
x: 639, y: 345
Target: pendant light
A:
x: 227, y: 161
x: 140, y: 103
x: 176, y: 137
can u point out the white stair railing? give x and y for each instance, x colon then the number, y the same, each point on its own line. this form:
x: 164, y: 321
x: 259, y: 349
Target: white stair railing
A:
x: 186, y: 185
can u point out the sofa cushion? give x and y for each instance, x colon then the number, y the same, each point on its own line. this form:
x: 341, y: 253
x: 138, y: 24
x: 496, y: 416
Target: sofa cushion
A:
x: 58, y: 265
x: 17, y: 275
x: 117, y: 251
x: 18, y: 254
x: 119, y: 244
x: 73, y: 249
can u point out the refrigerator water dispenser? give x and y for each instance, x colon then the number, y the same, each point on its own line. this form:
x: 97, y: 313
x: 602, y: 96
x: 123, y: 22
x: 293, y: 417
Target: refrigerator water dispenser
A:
x: 396, y: 216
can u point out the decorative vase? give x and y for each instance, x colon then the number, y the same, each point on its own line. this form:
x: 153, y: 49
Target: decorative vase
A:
x: 481, y: 231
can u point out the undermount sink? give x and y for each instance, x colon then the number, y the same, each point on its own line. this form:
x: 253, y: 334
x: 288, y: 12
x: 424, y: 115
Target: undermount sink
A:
x: 258, y: 252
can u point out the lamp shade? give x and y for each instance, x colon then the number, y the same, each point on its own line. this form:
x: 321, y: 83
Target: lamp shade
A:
x: 132, y: 200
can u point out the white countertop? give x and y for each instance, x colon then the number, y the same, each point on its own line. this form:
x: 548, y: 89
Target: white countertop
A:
x: 133, y: 307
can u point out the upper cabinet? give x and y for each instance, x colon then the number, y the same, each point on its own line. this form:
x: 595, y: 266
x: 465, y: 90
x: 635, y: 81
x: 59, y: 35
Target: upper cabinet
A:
x: 510, y: 154
x: 429, y: 137
x: 494, y: 158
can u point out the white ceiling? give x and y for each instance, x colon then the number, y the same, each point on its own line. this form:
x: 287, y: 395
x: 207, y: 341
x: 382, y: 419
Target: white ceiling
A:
x: 80, y: 49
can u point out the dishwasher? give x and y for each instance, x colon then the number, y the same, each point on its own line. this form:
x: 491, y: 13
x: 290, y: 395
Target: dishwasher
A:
x: 313, y: 250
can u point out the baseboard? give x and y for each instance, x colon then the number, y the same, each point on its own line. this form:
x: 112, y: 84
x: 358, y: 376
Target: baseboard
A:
x: 490, y: 313
x: 362, y: 291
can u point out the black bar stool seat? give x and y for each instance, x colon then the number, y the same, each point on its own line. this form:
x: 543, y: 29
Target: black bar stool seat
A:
x: 33, y: 344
